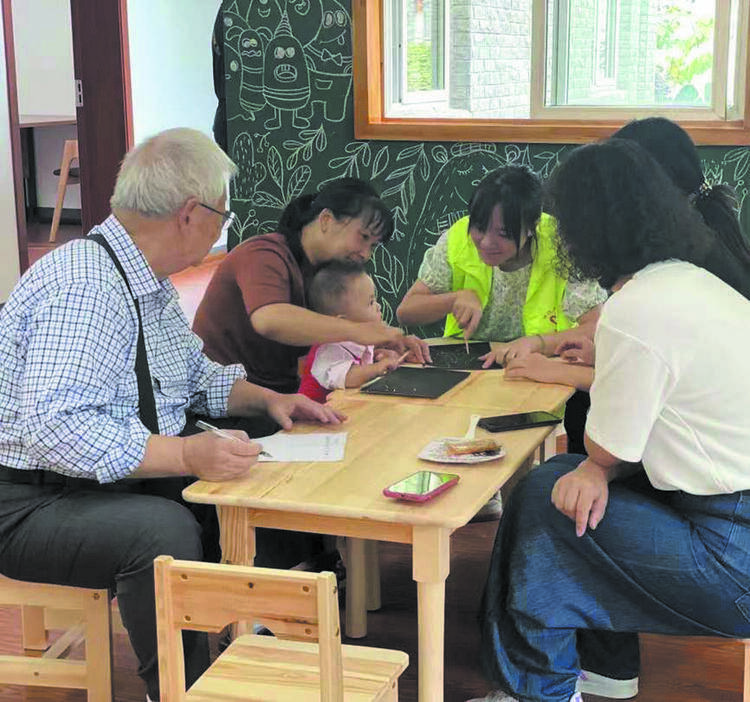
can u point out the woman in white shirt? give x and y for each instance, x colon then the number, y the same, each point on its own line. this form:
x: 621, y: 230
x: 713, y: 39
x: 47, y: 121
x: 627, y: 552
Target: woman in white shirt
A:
x: 650, y: 532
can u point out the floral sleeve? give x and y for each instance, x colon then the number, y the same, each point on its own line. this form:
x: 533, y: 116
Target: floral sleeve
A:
x: 581, y: 296
x: 435, y: 271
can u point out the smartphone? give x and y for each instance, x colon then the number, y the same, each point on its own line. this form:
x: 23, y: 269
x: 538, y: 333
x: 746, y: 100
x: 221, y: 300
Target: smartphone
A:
x: 421, y: 486
x: 509, y: 422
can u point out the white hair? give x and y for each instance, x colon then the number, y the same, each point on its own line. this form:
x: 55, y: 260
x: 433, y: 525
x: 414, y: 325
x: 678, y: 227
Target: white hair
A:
x: 158, y: 176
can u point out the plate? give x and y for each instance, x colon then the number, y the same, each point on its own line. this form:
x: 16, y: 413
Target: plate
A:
x: 437, y: 451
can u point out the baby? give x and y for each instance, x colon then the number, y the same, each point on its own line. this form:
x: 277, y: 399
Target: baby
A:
x: 343, y: 289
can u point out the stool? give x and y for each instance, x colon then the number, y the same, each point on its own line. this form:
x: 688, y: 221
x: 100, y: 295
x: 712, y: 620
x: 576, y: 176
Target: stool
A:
x: 68, y: 176
x: 94, y: 674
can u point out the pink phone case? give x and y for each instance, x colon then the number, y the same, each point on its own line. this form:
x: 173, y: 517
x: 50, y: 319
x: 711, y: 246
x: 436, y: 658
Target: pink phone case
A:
x: 415, y: 497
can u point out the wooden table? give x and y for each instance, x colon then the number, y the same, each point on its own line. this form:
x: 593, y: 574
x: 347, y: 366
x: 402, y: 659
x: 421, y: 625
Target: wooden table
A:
x: 345, y: 498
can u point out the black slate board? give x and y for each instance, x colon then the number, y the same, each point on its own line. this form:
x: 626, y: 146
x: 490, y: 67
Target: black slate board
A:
x: 415, y: 382
x: 454, y: 356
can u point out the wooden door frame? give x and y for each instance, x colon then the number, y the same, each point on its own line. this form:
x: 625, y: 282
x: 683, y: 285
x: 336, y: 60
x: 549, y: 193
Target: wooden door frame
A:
x: 15, y: 130
x: 15, y: 134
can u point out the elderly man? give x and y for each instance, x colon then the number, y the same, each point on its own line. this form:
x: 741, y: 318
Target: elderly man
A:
x: 98, y: 368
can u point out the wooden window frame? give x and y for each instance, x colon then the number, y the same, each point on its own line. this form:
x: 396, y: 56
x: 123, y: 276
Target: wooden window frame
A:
x: 370, y: 121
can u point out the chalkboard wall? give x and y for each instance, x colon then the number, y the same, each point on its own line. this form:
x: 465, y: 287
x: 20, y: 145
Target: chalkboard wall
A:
x: 289, y: 136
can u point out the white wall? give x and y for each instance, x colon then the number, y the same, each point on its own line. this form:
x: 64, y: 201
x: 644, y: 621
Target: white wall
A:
x: 170, y: 64
x: 44, y: 57
x: 171, y: 67
x: 9, y: 268
x: 44, y: 70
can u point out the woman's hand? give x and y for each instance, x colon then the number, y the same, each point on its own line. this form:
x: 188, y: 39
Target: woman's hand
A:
x: 417, y: 350
x: 579, y: 350
x: 523, y: 347
x: 376, y: 334
x: 582, y: 495
x: 536, y: 367
x: 286, y: 408
x: 467, y: 309
x: 495, y: 356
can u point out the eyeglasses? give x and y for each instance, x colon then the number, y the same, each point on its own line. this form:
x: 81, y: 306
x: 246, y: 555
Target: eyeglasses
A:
x: 228, y: 216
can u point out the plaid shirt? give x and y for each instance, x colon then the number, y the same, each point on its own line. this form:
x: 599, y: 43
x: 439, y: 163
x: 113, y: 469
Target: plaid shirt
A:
x: 68, y: 389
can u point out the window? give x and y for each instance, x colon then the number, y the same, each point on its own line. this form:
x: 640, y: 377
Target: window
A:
x: 416, y: 73
x: 549, y: 70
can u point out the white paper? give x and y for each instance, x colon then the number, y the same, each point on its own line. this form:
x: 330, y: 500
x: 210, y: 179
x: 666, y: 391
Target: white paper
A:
x: 284, y: 447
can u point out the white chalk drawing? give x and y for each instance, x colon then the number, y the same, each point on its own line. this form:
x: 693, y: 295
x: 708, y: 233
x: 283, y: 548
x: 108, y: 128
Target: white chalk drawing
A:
x: 286, y: 77
x: 305, y: 19
x: 330, y: 59
x: 310, y: 141
x: 291, y: 130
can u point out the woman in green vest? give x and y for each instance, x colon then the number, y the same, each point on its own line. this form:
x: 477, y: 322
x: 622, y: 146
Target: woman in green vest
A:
x: 494, y: 274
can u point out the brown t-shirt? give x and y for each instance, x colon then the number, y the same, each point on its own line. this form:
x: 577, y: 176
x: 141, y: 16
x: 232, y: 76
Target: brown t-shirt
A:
x: 260, y: 271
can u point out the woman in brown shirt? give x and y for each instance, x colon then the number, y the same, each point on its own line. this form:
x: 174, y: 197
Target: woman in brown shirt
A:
x: 254, y: 310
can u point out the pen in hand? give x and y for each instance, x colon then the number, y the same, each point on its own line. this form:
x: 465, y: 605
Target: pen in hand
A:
x: 220, y: 432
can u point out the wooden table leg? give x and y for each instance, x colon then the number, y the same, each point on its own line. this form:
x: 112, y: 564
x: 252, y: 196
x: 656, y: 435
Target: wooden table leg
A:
x: 430, y: 565
x: 509, y: 484
x: 372, y: 584
x: 237, y: 537
x: 356, y: 588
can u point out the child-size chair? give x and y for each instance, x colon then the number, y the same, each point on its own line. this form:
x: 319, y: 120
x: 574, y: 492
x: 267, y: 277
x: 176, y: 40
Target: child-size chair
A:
x: 69, y: 175
x: 90, y: 609
x: 304, y: 661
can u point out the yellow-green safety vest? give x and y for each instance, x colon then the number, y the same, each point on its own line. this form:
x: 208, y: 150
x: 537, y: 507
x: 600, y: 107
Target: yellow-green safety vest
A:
x: 543, y: 309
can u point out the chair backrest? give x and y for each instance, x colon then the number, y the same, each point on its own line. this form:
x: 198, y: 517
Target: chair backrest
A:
x: 208, y: 596
x: 92, y: 622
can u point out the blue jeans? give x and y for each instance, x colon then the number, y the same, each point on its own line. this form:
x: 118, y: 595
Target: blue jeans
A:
x: 660, y: 562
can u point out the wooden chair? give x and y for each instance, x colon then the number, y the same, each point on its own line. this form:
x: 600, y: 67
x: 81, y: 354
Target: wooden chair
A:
x: 69, y: 175
x: 300, y: 608
x: 92, y: 612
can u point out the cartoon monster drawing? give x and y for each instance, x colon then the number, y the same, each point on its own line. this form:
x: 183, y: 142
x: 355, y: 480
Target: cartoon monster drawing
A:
x: 251, y: 80
x: 330, y: 58
x: 447, y: 201
x: 262, y: 15
x: 286, y: 78
x: 305, y: 17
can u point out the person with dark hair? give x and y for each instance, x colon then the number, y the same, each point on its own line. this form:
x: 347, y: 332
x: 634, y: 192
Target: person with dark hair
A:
x: 343, y: 289
x: 494, y: 274
x: 728, y: 257
x: 255, y: 309
x: 651, y: 531
x: 717, y: 203
x: 217, y: 60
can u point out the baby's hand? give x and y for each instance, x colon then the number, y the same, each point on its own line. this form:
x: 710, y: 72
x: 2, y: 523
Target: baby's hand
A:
x: 389, y: 363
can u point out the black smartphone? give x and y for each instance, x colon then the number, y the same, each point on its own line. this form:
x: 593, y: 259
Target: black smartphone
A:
x: 510, y: 422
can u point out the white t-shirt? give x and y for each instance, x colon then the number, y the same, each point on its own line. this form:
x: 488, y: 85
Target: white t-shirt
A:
x: 672, y: 379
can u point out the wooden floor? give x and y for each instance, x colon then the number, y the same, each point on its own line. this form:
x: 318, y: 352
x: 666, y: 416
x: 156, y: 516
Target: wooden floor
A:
x: 674, y: 669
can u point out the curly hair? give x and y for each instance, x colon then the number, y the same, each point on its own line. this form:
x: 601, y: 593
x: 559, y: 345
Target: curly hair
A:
x: 618, y: 211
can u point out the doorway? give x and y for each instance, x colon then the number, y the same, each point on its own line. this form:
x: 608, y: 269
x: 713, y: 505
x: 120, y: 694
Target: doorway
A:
x: 103, y: 115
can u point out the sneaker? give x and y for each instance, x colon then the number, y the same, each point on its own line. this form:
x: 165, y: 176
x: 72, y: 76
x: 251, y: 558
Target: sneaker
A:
x: 602, y: 686
x: 497, y: 696
x: 491, y: 511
